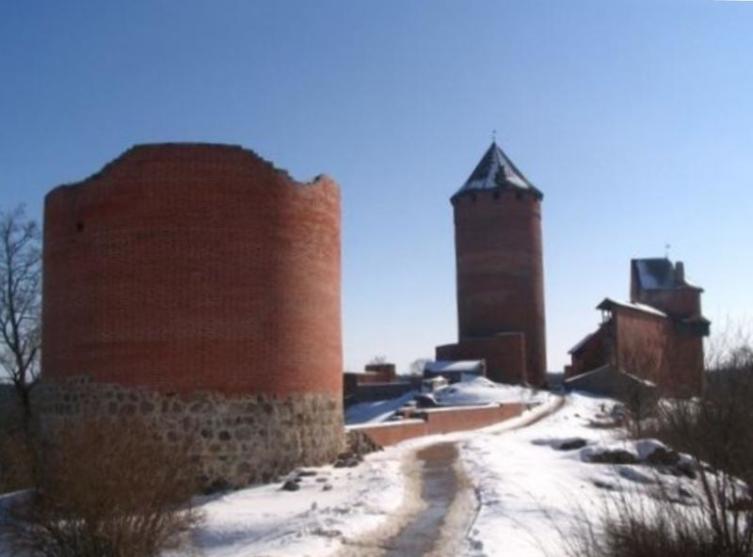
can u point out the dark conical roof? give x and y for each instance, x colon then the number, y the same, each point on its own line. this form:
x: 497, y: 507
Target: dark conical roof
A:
x: 496, y: 170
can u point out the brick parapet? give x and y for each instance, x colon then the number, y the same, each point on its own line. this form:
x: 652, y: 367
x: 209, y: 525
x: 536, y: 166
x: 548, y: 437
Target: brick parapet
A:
x: 440, y: 420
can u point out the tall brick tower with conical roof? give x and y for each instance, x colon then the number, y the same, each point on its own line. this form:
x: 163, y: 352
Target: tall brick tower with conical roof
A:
x: 500, y: 276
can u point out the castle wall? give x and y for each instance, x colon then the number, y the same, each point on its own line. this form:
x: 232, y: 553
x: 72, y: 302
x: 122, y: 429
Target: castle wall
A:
x: 500, y: 278
x: 686, y: 365
x: 654, y: 348
x: 641, y: 344
x: 237, y: 440
x: 678, y: 302
x: 439, y: 421
x: 594, y: 353
x: 182, y: 269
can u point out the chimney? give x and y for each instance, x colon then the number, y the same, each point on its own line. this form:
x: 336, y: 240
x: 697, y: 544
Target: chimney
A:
x: 680, y: 273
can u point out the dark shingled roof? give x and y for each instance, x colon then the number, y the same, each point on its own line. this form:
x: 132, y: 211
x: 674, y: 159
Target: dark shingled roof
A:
x: 496, y: 170
x: 658, y: 273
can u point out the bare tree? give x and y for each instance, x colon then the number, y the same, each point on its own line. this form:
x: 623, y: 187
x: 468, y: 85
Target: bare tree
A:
x: 20, y: 302
x: 378, y: 359
x: 417, y: 366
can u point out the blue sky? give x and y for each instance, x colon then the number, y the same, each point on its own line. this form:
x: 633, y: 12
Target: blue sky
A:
x: 634, y: 117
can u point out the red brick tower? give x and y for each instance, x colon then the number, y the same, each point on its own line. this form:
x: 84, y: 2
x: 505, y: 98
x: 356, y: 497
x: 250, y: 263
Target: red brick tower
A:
x: 199, y: 286
x: 500, y: 278
x: 657, y: 283
x: 194, y: 266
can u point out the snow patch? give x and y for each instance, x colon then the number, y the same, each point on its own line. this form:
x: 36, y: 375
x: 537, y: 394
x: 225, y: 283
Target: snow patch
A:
x: 532, y: 497
x: 480, y: 391
x: 376, y: 411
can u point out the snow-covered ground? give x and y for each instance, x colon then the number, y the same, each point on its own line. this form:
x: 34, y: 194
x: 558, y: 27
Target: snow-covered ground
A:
x: 265, y: 521
x: 480, y: 390
x: 533, y: 494
x: 376, y: 411
x: 330, y: 507
x: 531, y: 491
x: 471, y: 392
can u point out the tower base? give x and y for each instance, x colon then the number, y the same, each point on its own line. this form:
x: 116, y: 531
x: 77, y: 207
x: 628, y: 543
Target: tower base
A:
x: 504, y: 353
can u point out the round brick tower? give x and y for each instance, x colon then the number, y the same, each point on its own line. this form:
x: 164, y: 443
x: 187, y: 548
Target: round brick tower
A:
x: 198, y: 284
x: 500, y: 284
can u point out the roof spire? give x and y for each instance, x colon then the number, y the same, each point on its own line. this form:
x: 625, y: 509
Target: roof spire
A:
x: 496, y: 170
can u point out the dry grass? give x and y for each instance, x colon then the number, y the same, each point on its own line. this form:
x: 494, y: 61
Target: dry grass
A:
x: 108, y: 488
x: 631, y: 526
x: 716, y: 430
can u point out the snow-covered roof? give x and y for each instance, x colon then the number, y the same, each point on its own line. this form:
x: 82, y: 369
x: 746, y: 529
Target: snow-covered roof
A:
x: 462, y: 366
x: 480, y: 390
x: 496, y: 170
x: 608, y: 303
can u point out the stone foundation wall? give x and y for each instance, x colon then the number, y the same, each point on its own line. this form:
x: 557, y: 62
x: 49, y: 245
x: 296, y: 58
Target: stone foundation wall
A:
x: 239, y: 439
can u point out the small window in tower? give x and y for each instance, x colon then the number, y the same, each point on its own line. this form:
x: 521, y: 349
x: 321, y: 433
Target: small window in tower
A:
x: 496, y: 194
x: 473, y: 197
x: 80, y: 226
x: 518, y: 195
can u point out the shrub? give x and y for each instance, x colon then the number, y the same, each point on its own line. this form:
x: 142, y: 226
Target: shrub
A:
x: 105, y: 488
x: 716, y: 431
x: 662, y: 527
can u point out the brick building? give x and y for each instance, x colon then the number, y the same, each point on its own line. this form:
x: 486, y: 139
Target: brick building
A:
x: 657, y: 335
x: 198, y: 286
x: 500, y: 277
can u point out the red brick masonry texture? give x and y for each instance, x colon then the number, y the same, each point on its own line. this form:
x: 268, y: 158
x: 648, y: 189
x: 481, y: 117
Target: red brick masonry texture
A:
x: 187, y: 267
x: 196, y: 268
x: 500, y: 283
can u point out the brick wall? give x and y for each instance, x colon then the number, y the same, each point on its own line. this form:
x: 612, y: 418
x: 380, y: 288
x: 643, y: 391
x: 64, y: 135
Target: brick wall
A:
x: 500, y: 284
x: 641, y: 344
x: 440, y: 420
x: 655, y: 348
x: 593, y: 353
x: 504, y: 354
x: 187, y: 267
x: 378, y: 373
x: 677, y: 302
x: 686, y: 368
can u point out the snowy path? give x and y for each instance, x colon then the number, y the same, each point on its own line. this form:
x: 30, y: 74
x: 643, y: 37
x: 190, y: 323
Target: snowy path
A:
x: 434, y: 520
x: 434, y: 530
x: 513, y: 489
x: 438, y: 524
x: 350, y: 511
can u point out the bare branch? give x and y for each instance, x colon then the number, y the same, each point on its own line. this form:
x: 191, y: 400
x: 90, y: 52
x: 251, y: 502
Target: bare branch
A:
x: 20, y: 301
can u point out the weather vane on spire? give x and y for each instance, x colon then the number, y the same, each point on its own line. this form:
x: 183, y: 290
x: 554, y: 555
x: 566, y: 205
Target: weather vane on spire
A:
x: 667, y: 247
x: 494, y: 136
